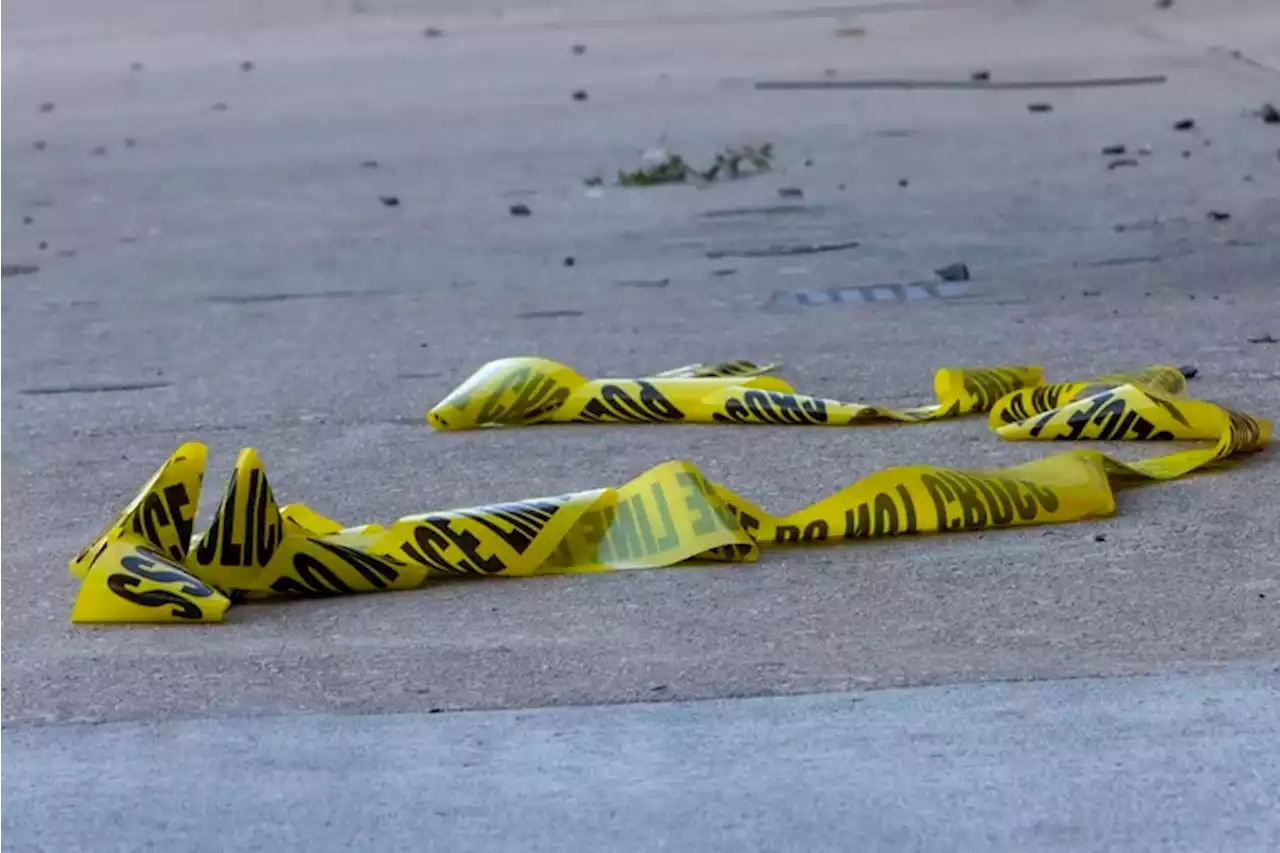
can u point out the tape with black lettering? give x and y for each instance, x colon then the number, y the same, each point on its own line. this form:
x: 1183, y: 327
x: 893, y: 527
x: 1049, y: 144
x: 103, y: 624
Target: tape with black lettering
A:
x: 524, y: 391
x: 148, y: 566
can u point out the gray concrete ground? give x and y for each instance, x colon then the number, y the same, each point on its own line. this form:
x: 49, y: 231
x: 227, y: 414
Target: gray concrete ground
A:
x: 239, y: 262
x: 1175, y: 763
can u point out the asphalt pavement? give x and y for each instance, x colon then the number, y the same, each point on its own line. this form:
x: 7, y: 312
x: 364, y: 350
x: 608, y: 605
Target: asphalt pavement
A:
x: 1184, y: 762
x: 198, y: 245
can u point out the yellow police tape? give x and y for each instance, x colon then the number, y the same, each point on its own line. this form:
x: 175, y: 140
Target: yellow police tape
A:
x: 148, y: 566
x: 521, y: 391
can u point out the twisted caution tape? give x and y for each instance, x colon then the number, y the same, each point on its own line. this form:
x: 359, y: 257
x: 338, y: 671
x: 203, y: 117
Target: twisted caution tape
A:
x: 149, y: 566
x: 524, y: 391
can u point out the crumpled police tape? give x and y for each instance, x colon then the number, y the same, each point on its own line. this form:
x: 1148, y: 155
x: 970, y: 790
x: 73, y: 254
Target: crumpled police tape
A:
x: 149, y: 566
x: 523, y: 391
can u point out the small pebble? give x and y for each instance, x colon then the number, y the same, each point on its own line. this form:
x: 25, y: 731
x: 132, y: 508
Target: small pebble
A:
x: 980, y: 76
x: 369, y: 164
x: 136, y: 66
x: 99, y: 150
x: 1184, y: 124
x: 1186, y: 154
x: 1164, y: 4
x: 219, y: 107
x: 1113, y: 150
x: 389, y: 200
x: 1040, y: 107
x: 46, y: 107
x: 953, y: 272
x: 829, y: 73
x: 1218, y: 215
x: 130, y: 142
x: 569, y: 261
x: 40, y: 145
x: 520, y: 210
x: 580, y: 95
x: 579, y: 49
x: 902, y: 182
x: 246, y: 66
x: 1099, y: 537
x: 790, y: 192
x: 808, y: 162
x: 1091, y: 293
x: 1269, y: 114
x: 27, y: 220
x: 433, y: 32
x: 42, y: 245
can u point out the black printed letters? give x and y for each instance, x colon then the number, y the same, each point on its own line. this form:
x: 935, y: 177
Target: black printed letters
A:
x: 258, y: 520
x: 144, y: 565
x: 965, y: 501
x: 615, y: 403
x: 772, y: 407
x: 536, y: 395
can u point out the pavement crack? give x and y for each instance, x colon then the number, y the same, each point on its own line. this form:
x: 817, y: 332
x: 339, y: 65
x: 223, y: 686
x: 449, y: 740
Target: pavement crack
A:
x: 20, y: 269
x: 547, y: 315
x: 783, y: 251
x: 766, y: 210
x: 902, y: 83
x: 100, y: 388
